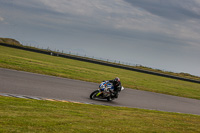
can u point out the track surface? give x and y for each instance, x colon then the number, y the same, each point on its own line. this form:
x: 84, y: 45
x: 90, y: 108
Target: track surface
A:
x: 30, y: 84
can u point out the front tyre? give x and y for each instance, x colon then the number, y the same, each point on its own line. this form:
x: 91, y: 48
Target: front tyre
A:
x: 93, y: 95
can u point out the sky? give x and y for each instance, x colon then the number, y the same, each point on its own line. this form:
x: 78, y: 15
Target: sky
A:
x: 161, y: 34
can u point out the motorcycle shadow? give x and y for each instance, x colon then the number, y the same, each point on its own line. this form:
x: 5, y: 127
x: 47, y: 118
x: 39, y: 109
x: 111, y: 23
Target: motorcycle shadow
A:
x: 102, y: 100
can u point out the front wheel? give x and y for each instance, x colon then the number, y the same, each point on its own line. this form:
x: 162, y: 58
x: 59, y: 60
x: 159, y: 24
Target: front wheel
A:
x: 93, y: 95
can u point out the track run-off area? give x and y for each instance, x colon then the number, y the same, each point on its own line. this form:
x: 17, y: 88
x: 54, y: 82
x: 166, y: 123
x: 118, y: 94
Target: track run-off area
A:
x: 42, y: 86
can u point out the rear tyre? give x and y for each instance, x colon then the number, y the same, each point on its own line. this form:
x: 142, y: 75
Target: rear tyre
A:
x: 93, y: 94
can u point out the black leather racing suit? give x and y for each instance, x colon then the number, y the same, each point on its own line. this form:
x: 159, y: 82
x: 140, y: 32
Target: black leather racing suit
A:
x: 117, y: 87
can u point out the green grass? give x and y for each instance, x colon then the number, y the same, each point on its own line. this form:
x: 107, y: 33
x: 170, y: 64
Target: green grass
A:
x: 10, y: 41
x: 24, y: 115
x: 13, y: 42
x: 50, y: 65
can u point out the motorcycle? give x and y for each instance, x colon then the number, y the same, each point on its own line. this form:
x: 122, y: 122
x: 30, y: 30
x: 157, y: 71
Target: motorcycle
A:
x: 105, y: 91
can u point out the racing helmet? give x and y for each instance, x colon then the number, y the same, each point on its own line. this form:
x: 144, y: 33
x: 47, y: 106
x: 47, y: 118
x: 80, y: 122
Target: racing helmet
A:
x: 117, y: 79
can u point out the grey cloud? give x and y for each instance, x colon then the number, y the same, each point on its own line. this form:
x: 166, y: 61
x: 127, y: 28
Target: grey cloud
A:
x: 30, y: 7
x: 1, y: 18
x: 170, y: 9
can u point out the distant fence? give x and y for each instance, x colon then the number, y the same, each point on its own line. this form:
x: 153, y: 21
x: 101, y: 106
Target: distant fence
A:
x: 80, y: 58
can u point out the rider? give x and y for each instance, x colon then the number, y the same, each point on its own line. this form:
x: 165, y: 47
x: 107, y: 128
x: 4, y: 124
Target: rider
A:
x: 117, y: 86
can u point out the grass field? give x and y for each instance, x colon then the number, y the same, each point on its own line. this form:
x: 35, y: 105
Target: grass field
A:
x: 68, y: 68
x: 24, y: 115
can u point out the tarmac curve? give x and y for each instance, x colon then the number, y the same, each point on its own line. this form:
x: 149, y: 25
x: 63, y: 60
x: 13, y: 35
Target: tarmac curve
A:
x: 37, y: 85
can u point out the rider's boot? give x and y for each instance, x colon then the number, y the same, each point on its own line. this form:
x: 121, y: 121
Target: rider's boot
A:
x: 116, y: 94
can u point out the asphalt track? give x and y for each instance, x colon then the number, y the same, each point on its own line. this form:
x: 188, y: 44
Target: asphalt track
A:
x: 37, y: 85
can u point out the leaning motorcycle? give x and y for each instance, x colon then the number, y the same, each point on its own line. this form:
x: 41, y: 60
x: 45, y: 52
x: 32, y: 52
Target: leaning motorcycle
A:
x: 105, y: 91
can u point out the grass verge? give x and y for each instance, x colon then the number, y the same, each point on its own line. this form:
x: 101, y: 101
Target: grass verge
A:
x: 25, y: 115
x: 50, y: 65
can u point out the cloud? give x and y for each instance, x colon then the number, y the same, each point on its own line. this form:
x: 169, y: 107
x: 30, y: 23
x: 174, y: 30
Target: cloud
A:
x: 74, y: 7
x: 139, y: 19
x: 170, y: 9
x: 1, y: 19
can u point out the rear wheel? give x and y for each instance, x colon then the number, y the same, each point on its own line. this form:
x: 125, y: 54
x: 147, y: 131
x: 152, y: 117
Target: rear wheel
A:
x: 93, y: 94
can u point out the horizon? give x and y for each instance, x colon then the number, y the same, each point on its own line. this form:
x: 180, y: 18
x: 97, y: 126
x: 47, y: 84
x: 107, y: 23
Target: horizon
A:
x: 104, y: 59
